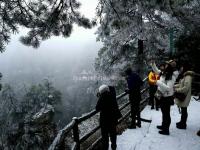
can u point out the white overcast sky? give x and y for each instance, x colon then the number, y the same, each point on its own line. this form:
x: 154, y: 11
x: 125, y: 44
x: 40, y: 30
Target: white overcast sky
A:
x: 80, y: 46
x: 79, y: 36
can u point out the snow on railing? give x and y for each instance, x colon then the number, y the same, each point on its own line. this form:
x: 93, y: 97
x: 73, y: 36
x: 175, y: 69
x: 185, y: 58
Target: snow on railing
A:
x: 59, y: 141
x: 61, y: 135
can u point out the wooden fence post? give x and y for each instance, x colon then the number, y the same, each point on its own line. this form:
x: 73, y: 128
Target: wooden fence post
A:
x: 76, y: 133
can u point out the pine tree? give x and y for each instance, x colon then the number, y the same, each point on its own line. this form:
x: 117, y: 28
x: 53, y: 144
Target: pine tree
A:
x: 124, y: 22
x: 44, y: 18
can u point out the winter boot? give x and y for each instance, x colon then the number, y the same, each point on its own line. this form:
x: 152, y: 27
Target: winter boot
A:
x: 160, y: 127
x: 184, y: 115
x: 178, y: 123
x: 138, y: 124
x: 132, y: 126
x: 164, y: 132
x: 113, y: 146
x: 198, y: 133
x: 181, y: 126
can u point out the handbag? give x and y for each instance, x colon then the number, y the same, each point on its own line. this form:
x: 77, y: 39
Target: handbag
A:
x: 180, y: 96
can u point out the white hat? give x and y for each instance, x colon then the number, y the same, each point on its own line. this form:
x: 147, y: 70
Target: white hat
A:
x: 103, y: 88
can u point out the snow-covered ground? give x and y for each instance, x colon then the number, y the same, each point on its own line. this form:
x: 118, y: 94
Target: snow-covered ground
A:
x: 148, y: 138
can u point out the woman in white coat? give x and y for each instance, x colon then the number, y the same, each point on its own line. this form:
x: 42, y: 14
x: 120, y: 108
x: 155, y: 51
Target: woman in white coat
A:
x: 165, y: 87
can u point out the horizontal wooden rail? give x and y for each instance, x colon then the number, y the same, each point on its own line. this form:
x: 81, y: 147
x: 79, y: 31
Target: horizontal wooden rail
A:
x: 120, y: 120
x: 73, y: 125
x: 144, y: 100
x: 121, y: 95
x: 86, y: 136
x: 61, y: 136
x: 95, y: 143
x: 93, y: 112
x: 99, y: 139
x: 87, y: 116
x: 124, y: 106
x: 75, y: 145
x: 124, y: 117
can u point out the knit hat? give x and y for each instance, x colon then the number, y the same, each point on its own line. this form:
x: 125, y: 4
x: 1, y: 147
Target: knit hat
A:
x: 103, y: 88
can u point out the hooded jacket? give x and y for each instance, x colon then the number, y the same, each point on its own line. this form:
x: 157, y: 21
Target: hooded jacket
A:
x: 185, y: 86
x: 134, y: 82
x: 108, y: 107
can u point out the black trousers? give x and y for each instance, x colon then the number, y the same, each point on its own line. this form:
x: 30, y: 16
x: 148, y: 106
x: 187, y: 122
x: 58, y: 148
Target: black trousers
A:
x: 184, y: 115
x: 166, y: 103
x: 157, y: 103
x: 135, y: 98
x: 106, y: 132
x: 152, y: 91
x: 135, y: 113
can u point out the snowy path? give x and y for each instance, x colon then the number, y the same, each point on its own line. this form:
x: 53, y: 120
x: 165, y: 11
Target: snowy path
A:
x: 147, y: 137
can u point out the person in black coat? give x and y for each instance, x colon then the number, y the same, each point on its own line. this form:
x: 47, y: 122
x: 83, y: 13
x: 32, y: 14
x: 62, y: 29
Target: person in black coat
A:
x: 109, y: 115
x: 134, y: 84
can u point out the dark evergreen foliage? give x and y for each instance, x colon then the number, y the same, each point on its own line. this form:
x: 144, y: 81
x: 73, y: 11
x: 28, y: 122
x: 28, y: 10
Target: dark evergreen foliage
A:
x: 44, y: 18
x: 188, y: 48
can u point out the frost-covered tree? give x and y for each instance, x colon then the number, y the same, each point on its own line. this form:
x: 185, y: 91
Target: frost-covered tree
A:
x: 44, y: 18
x: 27, y: 122
x: 8, y: 109
x: 39, y: 96
x: 124, y: 22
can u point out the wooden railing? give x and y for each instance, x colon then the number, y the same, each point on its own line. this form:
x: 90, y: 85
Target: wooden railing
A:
x: 59, y: 141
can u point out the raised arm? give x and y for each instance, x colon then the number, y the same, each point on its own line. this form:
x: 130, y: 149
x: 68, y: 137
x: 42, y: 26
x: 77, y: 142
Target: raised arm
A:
x: 155, y: 68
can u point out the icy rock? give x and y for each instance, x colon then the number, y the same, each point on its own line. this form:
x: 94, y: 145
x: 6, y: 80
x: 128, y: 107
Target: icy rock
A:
x: 44, y: 115
x: 36, y: 133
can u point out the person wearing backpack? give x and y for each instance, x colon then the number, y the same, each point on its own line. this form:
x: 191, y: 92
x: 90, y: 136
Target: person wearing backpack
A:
x: 109, y: 115
x: 184, y: 88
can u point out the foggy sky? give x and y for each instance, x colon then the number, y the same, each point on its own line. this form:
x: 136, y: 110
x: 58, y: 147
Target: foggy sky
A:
x: 78, y: 50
